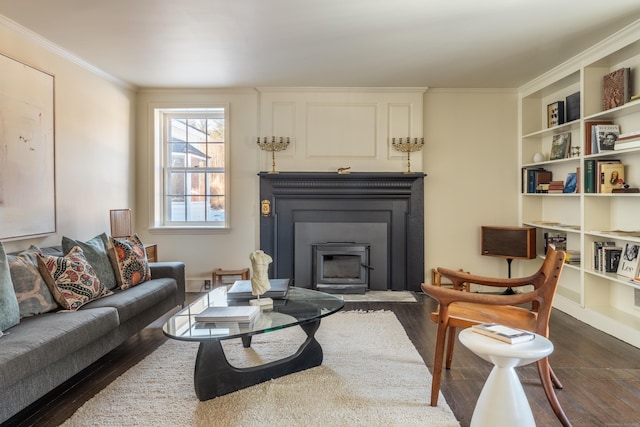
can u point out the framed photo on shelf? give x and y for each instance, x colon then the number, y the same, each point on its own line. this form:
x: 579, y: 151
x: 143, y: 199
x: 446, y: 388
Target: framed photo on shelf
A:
x: 628, y: 266
x: 560, y: 146
x: 555, y: 114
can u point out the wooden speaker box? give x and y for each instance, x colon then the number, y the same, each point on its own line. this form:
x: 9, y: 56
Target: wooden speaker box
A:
x: 509, y: 242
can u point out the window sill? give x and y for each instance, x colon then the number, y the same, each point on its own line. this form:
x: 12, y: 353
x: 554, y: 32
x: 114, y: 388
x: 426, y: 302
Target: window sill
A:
x: 189, y: 230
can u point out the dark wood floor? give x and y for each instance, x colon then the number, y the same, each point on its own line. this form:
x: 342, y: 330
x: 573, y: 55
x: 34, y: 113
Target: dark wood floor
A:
x: 600, y: 374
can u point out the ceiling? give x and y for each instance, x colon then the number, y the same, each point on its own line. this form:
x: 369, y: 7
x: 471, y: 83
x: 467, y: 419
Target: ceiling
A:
x: 316, y: 43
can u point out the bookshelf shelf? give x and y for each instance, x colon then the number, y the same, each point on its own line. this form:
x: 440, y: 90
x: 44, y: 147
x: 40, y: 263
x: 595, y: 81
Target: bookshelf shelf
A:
x: 605, y: 300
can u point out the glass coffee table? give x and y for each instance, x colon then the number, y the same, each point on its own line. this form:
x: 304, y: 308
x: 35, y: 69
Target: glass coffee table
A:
x: 214, y: 376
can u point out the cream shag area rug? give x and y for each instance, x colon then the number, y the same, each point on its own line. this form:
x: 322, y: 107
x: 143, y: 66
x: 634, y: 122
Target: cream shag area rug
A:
x: 381, y: 296
x: 371, y: 376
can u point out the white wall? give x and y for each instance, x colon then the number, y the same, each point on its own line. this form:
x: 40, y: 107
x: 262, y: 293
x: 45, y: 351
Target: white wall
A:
x: 94, y: 156
x: 469, y: 157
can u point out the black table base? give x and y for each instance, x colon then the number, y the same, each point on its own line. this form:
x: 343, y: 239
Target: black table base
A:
x: 214, y: 376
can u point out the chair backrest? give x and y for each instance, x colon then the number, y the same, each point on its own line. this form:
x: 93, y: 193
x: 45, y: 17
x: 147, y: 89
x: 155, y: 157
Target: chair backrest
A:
x: 545, y: 285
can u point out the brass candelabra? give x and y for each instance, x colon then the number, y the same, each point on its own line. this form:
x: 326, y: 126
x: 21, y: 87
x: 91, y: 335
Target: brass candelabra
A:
x: 407, y: 147
x: 273, y: 146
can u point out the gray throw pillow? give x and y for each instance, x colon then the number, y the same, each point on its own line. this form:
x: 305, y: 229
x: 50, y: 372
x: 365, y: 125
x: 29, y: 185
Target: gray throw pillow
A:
x: 34, y: 296
x: 9, y: 308
x: 95, y: 251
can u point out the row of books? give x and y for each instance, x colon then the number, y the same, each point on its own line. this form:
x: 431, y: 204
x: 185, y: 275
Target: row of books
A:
x: 609, y: 257
x: 539, y: 180
x: 606, y: 256
x: 603, y: 176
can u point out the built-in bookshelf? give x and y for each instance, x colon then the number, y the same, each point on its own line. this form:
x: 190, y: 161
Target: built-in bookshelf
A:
x: 604, y: 300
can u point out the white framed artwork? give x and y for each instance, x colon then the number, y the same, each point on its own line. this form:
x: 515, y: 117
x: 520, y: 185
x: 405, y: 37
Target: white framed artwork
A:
x: 27, y: 151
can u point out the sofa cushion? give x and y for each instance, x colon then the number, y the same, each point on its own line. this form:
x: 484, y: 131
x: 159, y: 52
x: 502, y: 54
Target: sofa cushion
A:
x: 38, y: 341
x: 133, y: 301
x: 71, y: 279
x: 9, y: 308
x: 129, y: 259
x: 33, y: 294
x: 95, y: 250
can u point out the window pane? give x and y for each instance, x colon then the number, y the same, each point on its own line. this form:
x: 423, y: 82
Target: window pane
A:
x: 216, y: 208
x: 176, y: 209
x: 176, y: 155
x: 216, y: 183
x: 196, y: 209
x: 176, y: 181
x: 215, y: 152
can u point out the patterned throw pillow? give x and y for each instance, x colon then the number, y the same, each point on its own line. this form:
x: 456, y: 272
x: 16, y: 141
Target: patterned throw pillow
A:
x: 95, y: 250
x: 34, y: 297
x: 129, y: 259
x: 71, y: 279
x: 9, y: 308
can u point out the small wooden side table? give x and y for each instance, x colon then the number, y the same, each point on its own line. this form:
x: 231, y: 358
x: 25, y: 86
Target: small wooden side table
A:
x: 152, y: 252
x: 502, y: 402
x: 218, y: 274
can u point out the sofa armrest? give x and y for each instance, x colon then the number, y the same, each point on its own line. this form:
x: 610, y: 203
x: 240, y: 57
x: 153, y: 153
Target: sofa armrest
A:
x: 172, y: 270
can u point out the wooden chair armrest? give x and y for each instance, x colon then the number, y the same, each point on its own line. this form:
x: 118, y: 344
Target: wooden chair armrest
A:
x: 459, y: 277
x: 446, y: 296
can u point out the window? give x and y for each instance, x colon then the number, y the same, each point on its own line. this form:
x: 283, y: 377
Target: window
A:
x: 191, y: 168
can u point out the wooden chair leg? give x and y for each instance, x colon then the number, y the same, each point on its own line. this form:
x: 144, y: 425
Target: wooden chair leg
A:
x: 437, y: 363
x: 451, y: 340
x: 544, y: 370
x: 554, y: 379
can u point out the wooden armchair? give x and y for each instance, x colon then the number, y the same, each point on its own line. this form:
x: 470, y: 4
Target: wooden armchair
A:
x: 459, y: 309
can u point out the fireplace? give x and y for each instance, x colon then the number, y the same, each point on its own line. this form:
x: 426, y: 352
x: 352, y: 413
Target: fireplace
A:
x: 383, y: 209
x: 341, y: 267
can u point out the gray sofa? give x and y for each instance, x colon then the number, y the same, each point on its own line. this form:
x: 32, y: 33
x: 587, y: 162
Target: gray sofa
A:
x: 43, y: 351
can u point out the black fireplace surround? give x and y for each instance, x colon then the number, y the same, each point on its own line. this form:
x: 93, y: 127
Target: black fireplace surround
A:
x: 391, y: 204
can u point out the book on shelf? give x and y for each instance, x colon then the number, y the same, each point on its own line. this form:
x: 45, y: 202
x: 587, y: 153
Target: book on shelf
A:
x: 598, y: 265
x: 627, y: 143
x: 503, y: 333
x: 606, y: 135
x: 233, y: 313
x: 628, y: 266
x: 611, y: 176
x: 626, y: 190
x: 571, y: 183
x: 610, y: 258
x: 557, y: 238
x: 555, y: 114
x: 572, y: 104
x: 556, y: 187
x: 572, y: 257
x: 590, y: 139
x: 590, y: 176
x: 560, y: 146
x: 629, y: 135
x: 616, y: 89
x: 535, y: 177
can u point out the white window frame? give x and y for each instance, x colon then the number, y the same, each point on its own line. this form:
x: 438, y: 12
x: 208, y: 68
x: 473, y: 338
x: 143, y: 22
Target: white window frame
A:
x: 159, y: 218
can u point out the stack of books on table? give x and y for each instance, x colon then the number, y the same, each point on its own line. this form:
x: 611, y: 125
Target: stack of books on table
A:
x: 242, y: 314
x: 503, y: 333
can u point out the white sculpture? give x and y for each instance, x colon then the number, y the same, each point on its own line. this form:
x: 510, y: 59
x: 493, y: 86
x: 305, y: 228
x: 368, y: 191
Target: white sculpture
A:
x: 260, y: 278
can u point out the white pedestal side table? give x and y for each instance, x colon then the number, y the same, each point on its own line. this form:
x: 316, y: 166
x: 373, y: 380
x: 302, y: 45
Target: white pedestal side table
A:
x: 502, y: 401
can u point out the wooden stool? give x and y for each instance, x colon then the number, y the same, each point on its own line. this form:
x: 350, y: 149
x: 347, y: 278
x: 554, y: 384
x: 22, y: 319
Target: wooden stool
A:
x: 436, y: 279
x: 219, y: 273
